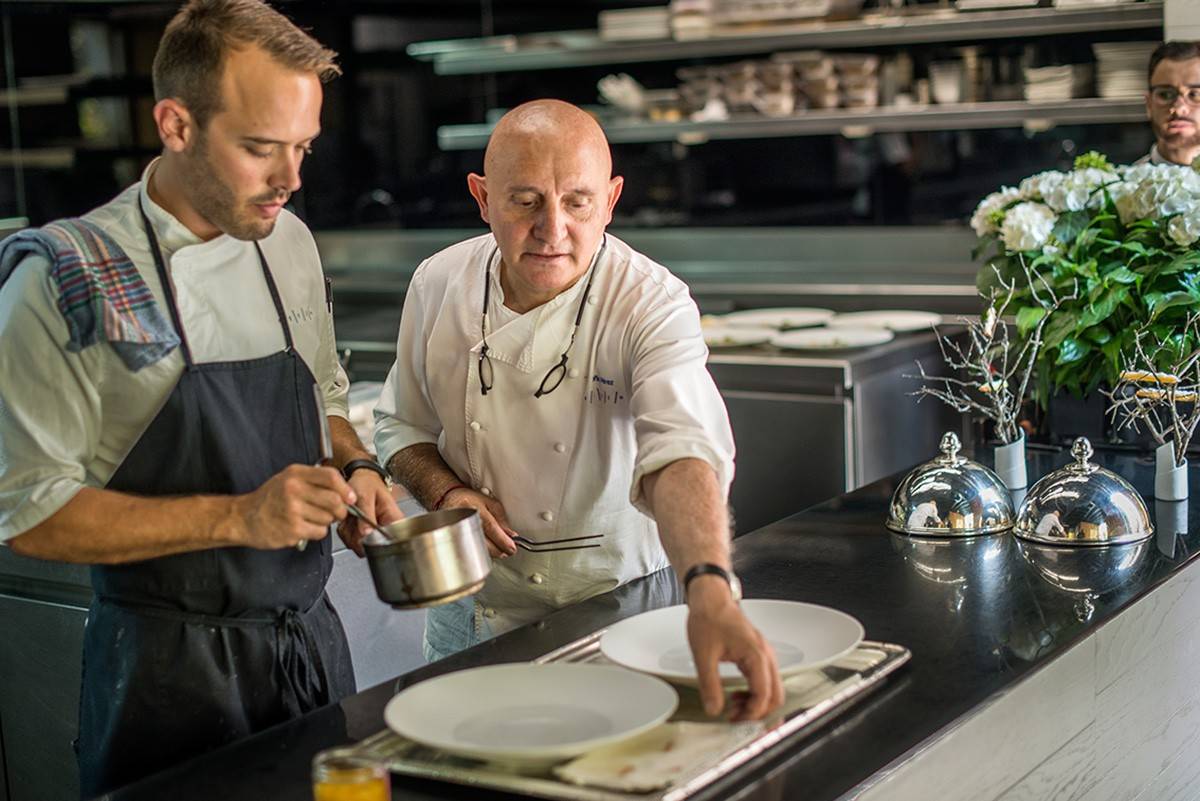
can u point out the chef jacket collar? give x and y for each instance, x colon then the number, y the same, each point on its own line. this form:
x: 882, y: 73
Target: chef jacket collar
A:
x: 175, y: 238
x: 540, y: 333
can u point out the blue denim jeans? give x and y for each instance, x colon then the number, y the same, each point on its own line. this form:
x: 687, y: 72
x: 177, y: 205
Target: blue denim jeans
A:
x: 449, y: 628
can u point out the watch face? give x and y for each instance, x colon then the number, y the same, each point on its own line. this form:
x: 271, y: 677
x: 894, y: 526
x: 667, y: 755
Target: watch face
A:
x: 735, y: 587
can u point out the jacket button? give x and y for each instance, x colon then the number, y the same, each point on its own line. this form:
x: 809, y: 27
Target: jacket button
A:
x: 547, y: 516
x: 489, y: 612
x: 475, y: 425
x: 560, y: 447
x: 591, y: 300
x: 573, y: 373
x: 537, y: 578
x: 486, y: 491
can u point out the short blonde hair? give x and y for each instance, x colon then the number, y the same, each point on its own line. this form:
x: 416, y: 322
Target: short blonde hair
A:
x: 192, y: 51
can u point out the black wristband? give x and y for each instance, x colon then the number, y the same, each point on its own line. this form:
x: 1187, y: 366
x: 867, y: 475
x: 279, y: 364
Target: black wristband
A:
x: 705, y: 568
x: 360, y: 464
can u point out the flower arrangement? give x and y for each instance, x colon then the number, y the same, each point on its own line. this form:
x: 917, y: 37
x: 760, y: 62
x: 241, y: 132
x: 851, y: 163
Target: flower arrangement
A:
x: 1118, y: 245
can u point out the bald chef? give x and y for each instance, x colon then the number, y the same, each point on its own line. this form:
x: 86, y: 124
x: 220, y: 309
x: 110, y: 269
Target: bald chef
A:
x: 552, y: 378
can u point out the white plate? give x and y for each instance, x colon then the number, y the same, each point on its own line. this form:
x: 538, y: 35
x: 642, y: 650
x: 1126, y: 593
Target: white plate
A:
x: 891, y: 319
x: 530, y: 715
x: 832, y: 338
x: 799, y: 317
x: 804, y: 636
x: 733, y: 336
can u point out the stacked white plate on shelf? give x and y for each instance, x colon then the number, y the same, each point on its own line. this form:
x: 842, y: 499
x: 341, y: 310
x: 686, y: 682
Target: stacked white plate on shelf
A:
x: 1057, y: 84
x: 1121, y: 67
x: 635, y: 24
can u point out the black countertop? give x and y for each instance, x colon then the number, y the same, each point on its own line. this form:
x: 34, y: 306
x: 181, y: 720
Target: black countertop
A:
x: 978, y: 616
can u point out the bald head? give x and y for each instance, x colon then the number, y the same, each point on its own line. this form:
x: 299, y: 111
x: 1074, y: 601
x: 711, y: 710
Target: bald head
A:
x: 551, y: 128
x: 547, y: 193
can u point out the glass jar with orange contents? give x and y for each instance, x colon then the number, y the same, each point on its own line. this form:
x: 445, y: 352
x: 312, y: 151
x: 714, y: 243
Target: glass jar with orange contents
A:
x: 339, y: 774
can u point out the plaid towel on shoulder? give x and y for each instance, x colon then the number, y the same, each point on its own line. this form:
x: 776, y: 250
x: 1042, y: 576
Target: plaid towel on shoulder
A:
x: 100, y: 293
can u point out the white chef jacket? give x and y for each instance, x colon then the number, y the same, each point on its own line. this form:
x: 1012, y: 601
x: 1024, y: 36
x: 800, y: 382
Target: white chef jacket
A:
x: 637, y: 397
x: 68, y: 419
x: 1153, y: 157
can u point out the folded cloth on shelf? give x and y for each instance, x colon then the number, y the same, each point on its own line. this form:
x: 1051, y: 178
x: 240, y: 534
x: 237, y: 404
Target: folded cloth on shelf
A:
x: 101, y: 294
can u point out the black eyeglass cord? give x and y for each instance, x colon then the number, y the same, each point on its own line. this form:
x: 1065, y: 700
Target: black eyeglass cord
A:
x: 559, y: 370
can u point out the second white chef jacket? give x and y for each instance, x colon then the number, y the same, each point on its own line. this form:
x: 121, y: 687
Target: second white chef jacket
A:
x: 637, y: 397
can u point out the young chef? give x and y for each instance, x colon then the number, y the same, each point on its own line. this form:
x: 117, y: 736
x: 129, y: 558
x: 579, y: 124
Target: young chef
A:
x: 164, y: 426
x: 1173, y: 103
x: 554, y: 379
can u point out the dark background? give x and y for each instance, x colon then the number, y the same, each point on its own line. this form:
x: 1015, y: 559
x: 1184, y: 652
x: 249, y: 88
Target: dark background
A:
x: 377, y: 163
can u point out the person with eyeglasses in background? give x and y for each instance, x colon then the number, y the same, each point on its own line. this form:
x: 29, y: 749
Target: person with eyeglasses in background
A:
x: 553, y: 379
x: 1173, y: 103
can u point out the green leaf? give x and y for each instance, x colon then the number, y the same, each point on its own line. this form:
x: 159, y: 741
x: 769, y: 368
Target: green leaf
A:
x: 1159, y: 302
x: 1098, y: 334
x: 1121, y: 275
x: 1135, y: 247
x: 1028, y: 318
x: 1103, y: 308
x: 1181, y: 263
x: 1070, y: 225
x: 1072, y: 350
x: 1061, y: 325
x: 1112, y: 352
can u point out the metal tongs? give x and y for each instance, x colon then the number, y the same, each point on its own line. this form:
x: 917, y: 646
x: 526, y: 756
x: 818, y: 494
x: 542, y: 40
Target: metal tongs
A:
x: 537, y: 546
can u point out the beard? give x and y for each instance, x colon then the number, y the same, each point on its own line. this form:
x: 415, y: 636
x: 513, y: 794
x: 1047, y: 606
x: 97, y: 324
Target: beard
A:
x: 1178, y: 141
x: 216, y: 201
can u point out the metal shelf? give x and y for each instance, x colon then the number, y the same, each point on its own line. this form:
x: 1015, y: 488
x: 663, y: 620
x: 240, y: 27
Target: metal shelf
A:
x: 848, y: 122
x: 584, y: 48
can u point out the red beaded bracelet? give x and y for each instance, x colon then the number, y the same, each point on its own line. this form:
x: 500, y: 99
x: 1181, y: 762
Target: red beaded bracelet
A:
x: 442, y: 499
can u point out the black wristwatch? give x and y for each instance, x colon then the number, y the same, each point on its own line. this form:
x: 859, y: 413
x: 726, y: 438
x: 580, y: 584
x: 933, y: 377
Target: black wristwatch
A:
x: 735, y: 586
x: 367, y: 464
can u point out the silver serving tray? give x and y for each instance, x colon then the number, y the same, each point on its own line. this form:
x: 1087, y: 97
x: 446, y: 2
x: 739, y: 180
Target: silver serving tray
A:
x: 849, y: 685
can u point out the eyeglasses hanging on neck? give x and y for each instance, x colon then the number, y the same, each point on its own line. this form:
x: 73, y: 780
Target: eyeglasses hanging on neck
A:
x: 555, y: 375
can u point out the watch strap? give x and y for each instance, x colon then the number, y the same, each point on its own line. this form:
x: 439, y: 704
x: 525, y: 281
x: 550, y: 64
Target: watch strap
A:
x: 706, y: 568
x: 367, y: 464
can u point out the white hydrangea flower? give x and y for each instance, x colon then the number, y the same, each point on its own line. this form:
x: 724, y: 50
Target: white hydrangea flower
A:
x: 1155, y: 191
x: 1077, y: 190
x: 1038, y: 187
x: 1027, y: 226
x: 981, y: 220
x: 1184, y: 228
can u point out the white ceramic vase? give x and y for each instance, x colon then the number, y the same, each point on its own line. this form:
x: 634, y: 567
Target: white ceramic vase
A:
x: 1170, y: 479
x: 1010, y: 463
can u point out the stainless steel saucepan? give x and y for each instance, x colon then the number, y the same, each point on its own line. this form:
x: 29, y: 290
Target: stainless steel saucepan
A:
x: 429, y: 559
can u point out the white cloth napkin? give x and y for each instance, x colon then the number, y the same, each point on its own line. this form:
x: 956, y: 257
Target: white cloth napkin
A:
x: 668, y: 753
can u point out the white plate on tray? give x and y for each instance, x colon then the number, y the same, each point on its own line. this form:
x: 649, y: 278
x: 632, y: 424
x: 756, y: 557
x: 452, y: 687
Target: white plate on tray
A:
x: 892, y: 319
x: 804, y: 636
x: 799, y: 317
x: 736, y: 336
x: 530, y: 715
x: 832, y: 338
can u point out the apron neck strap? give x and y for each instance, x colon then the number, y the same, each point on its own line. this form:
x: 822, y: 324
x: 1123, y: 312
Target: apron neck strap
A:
x: 165, y: 281
x: 169, y: 292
